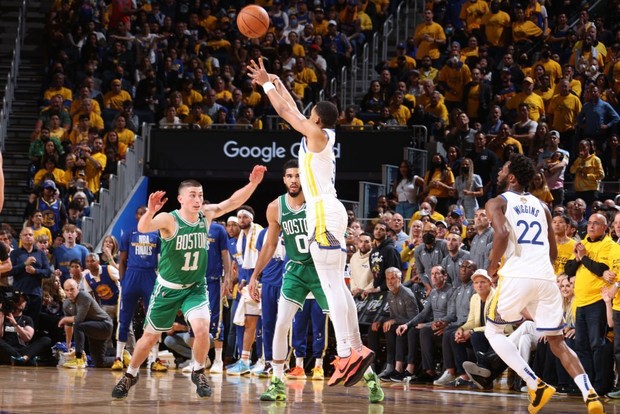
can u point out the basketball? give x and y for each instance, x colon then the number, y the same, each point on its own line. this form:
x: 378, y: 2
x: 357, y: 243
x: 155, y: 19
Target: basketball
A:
x: 253, y: 21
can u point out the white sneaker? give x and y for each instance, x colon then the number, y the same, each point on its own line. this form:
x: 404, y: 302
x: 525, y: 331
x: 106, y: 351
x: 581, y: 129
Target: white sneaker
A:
x: 185, y: 363
x: 258, y: 367
x: 217, y: 367
x: 445, y: 378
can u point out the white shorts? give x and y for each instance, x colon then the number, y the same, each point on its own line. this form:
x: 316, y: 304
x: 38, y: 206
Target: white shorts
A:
x: 541, y: 298
x: 327, y: 222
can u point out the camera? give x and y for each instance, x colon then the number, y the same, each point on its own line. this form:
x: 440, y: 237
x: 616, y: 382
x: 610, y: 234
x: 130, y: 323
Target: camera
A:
x: 9, y: 300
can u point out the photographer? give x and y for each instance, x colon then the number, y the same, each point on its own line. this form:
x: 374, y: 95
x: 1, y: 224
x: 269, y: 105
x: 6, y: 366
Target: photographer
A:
x: 30, y: 268
x: 85, y: 319
x: 16, y: 345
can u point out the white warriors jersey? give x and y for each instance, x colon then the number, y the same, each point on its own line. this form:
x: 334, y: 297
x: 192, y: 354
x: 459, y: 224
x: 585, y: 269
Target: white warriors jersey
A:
x: 317, y: 170
x: 527, y: 254
x: 325, y: 214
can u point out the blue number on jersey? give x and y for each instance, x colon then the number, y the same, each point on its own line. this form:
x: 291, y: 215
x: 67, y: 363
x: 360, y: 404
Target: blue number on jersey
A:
x: 523, y: 239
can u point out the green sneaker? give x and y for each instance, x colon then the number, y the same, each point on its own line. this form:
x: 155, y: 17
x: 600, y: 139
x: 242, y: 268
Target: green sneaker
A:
x: 275, y: 392
x: 374, y: 386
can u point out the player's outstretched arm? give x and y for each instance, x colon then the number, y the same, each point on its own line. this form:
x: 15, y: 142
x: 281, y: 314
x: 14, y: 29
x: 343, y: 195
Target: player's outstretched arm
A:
x: 288, y: 112
x: 238, y: 197
x: 163, y: 222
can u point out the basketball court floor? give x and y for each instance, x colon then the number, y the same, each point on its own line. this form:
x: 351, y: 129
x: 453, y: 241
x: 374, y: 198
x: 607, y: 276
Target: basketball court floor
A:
x: 56, y: 390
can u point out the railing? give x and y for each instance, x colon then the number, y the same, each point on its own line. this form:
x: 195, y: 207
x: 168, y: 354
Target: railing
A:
x: 344, y: 85
x: 9, y: 89
x: 388, y: 27
x: 402, y: 22
x: 121, y: 185
x: 353, y: 77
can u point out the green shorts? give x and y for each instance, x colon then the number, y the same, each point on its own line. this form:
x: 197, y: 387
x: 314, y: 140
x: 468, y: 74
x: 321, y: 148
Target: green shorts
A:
x: 298, y: 281
x: 165, y: 302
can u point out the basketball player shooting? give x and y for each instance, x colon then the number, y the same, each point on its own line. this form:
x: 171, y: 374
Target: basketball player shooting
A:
x: 527, y: 282
x: 327, y: 222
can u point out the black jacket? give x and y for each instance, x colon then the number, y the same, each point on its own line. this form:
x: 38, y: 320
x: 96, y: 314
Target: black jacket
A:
x: 382, y: 257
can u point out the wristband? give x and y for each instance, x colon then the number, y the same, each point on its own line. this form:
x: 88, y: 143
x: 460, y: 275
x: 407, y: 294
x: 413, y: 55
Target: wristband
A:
x: 267, y: 86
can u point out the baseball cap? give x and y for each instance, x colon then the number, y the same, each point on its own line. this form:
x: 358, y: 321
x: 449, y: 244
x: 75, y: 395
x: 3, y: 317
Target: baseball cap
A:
x: 314, y: 46
x: 481, y: 273
x: 528, y: 79
x: 456, y: 212
x: 332, y: 22
x: 401, y: 45
x: 554, y: 133
x: 442, y: 222
x: 49, y: 184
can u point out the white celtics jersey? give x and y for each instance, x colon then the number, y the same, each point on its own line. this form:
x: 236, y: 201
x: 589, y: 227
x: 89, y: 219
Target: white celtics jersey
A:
x: 527, y: 254
x: 317, y: 170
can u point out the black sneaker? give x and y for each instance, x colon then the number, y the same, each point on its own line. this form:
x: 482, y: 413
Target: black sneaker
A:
x: 124, y: 384
x: 202, y: 386
x: 385, y: 377
x: 401, y: 376
x: 481, y: 377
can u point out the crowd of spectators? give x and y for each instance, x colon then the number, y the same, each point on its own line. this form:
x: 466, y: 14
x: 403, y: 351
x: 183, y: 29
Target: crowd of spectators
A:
x: 526, y: 82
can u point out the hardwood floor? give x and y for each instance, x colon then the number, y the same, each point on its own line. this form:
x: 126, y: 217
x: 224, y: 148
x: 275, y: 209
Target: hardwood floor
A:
x: 56, y: 390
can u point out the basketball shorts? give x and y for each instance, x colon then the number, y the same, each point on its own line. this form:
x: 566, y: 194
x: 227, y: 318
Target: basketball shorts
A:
x: 165, y: 302
x: 541, y: 298
x: 298, y: 281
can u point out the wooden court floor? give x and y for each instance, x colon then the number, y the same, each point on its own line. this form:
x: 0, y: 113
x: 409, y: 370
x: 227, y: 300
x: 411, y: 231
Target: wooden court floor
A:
x: 56, y: 390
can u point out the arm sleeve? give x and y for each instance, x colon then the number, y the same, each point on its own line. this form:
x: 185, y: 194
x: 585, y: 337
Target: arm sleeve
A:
x: 571, y: 266
x: 595, y: 267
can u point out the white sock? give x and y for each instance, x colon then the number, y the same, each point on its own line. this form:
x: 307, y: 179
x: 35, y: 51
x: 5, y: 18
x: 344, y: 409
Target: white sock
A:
x: 318, y: 362
x: 120, y: 347
x: 278, y: 370
x: 218, y: 355
x: 583, y: 382
x: 132, y: 371
x: 508, y: 352
x: 154, y: 352
x: 299, y: 362
x: 198, y: 366
x: 245, y: 357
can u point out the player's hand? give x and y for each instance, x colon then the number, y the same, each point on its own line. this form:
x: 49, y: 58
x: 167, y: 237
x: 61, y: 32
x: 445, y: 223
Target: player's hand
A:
x: 570, y: 334
x: 401, y: 329
x: 157, y: 201
x: 375, y: 326
x: 257, y: 174
x: 253, y: 289
x: 226, y: 287
x: 257, y: 72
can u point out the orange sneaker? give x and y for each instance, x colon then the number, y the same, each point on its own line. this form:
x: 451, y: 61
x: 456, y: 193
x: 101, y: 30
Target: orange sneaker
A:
x: 296, y: 373
x: 357, y: 373
x: 343, y: 367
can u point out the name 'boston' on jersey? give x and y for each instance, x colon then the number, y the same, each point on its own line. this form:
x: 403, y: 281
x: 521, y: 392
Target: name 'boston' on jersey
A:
x: 527, y: 254
x: 295, y: 231
x: 184, y: 255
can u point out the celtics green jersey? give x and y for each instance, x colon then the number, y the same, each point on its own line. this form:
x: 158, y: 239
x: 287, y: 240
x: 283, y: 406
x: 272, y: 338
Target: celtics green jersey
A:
x: 183, y: 257
x: 295, y: 232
